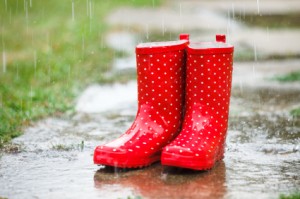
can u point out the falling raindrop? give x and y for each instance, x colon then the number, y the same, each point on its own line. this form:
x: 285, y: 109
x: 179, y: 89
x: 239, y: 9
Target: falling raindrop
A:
x: 228, y: 23
x: 147, y: 32
x: 87, y: 8
x: 4, y: 62
x: 21, y: 106
x: 253, y: 70
x: 48, y: 41
x: 257, y: 2
x: 102, y: 42
x: 232, y: 7
x: 34, y: 62
x: 83, y: 45
x: 69, y: 71
x: 180, y: 16
x: 1, y: 104
x: 5, y: 2
x: 31, y: 94
x: 30, y: 3
x: 26, y: 15
x: 180, y: 9
x: 241, y: 86
x: 49, y: 73
x: 73, y: 11
x: 90, y: 8
x: 18, y: 72
x: 163, y: 26
x: 255, y: 52
x: 91, y: 15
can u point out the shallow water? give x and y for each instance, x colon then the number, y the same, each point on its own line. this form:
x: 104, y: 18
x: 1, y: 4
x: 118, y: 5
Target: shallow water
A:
x: 53, y: 158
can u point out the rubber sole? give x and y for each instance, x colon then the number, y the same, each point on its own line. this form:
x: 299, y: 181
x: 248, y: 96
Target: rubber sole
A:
x: 189, y: 162
x: 124, y: 160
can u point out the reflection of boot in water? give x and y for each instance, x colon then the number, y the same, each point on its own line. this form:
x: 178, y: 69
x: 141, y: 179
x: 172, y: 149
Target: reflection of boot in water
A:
x: 161, y: 182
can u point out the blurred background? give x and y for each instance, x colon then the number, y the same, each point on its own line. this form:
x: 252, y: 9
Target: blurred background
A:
x: 67, y: 84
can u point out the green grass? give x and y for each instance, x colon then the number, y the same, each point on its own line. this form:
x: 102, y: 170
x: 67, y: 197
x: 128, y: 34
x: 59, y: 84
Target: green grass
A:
x: 295, y: 112
x: 291, y: 77
x: 48, y: 55
x: 290, y: 196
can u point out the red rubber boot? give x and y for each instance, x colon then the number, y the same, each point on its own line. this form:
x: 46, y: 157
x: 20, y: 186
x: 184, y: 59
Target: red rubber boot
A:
x: 208, y: 82
x: 160, y: 76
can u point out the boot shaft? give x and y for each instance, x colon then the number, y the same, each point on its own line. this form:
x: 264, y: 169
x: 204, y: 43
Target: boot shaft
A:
x: 160, y: 76
x: 208, y: 79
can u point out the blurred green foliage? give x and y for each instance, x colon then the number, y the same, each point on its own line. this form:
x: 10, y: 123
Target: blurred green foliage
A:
x: 50, y: 50
x: 290, y: 196
x: 291, y: 77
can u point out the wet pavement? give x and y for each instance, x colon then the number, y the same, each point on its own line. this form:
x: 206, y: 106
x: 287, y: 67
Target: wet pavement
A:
x: 53, y: 158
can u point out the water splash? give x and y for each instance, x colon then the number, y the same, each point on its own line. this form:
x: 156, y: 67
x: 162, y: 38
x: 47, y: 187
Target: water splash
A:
x: 4, y: 62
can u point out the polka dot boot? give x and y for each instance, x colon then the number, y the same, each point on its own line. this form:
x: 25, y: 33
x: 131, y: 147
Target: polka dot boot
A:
x: 160, y: 77
x: 208, y: 82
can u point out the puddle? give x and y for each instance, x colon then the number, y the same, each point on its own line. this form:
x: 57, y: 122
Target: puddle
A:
x: 97, y: 98
x: 162, y: 182
x: 55, y: 156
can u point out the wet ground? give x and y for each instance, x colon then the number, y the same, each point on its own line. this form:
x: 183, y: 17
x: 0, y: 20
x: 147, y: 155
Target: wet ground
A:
x: 53, y: 159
